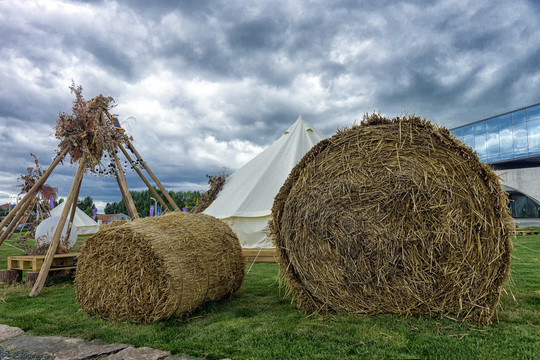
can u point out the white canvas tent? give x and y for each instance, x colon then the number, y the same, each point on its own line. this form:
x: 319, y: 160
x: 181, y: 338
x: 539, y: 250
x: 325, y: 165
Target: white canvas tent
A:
x: 245, y: 202
x: 83, y: 223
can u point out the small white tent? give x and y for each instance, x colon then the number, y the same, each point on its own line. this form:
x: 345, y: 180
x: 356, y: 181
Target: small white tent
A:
x: 245, y: 202
x: 83, y: 223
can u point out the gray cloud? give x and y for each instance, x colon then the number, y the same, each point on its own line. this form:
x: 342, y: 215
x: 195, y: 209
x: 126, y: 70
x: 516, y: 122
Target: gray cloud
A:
x: 257, y: 34
x: 205, y: 85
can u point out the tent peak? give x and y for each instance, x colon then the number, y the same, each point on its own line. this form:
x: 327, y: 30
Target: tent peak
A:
x: 302, y: 124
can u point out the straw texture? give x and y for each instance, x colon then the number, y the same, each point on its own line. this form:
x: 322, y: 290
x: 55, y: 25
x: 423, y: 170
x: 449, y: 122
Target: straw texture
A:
x: 119, y: 222
x: 393, y: 216
x: 154, y: 268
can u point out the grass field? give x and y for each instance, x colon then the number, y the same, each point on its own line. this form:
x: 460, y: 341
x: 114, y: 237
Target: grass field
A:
x: 259, y: 323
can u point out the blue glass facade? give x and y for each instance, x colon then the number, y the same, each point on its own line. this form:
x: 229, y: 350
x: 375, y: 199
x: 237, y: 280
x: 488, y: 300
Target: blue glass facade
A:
x: 521, y: 206
x: 502, y: 138
x: 508, y: 141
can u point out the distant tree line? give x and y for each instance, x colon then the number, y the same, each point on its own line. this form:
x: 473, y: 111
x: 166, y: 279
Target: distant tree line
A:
x: 143, y: 200
x: 87, y: 205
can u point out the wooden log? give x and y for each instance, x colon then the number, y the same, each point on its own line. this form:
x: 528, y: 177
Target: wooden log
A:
x: 143, y: 178
x: 123, y: 183
x: 31, y: 278
x: 165, y: 193
x: 18, y: 210
x: 8, y: 277
x: 43, y: 273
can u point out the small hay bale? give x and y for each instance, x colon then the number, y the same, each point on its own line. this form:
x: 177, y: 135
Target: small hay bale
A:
x: 393, y: 216
x: 158, y: 267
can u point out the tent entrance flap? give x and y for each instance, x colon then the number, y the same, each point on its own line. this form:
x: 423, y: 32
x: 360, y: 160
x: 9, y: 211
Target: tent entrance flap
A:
x: 252, y: 231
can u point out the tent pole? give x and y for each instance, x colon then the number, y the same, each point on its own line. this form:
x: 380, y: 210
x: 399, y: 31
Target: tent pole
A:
x: 44, y: 272
x: 128, y: 208
x: 165, y: 193
x: 141, y: 175
x: 25, y: 201
x: 123, y: 183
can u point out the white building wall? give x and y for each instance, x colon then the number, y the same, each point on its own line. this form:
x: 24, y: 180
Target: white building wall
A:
x: 525, y: 180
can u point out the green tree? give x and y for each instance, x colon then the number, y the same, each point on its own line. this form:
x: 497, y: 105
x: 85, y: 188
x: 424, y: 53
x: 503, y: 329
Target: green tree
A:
x: 56, y: 203
x: 144, y: 199
x: 111, y: 208
x: 115, y: 208
x: 87, y: 205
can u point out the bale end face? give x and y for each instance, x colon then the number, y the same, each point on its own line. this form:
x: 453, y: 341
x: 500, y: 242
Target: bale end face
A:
x: 154, y: 268
x: 393, y: 216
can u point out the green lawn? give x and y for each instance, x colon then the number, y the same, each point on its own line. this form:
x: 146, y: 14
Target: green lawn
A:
x: 259, y: 323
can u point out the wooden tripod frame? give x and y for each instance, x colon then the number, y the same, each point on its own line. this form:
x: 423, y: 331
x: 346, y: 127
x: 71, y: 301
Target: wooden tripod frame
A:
x: 70, y: 207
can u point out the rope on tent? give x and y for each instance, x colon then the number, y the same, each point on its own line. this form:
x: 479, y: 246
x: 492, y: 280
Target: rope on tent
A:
x: 256, y: 257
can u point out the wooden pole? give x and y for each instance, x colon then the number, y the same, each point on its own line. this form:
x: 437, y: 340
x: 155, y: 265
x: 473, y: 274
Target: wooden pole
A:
x: 141, y: 175
x: 44, y: 272
x: 73, y: 210
x: 46, y: 211
x: 11, y: 228
x: 40, y: 212
x: 124, y: 185
x: 7, y: 234
x: 21, y: 207
x: 165, y: 193
x: 123, y: 196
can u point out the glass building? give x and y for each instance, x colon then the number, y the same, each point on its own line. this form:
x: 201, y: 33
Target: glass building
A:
x: 522, y: 206
x: 509, y: 140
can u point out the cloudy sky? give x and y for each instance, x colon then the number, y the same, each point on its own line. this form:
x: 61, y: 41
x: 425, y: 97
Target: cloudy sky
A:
x: 206, y: 85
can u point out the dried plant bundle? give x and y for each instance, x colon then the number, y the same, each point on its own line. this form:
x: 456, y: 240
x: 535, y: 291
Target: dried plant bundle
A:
x: 216, y: 183
x: 88, y: 129
x: 393, y: 216
x: 158, y: 267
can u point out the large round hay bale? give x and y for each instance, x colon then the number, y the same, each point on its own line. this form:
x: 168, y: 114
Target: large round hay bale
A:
x: 393, y: 216
x: 158, y: 267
